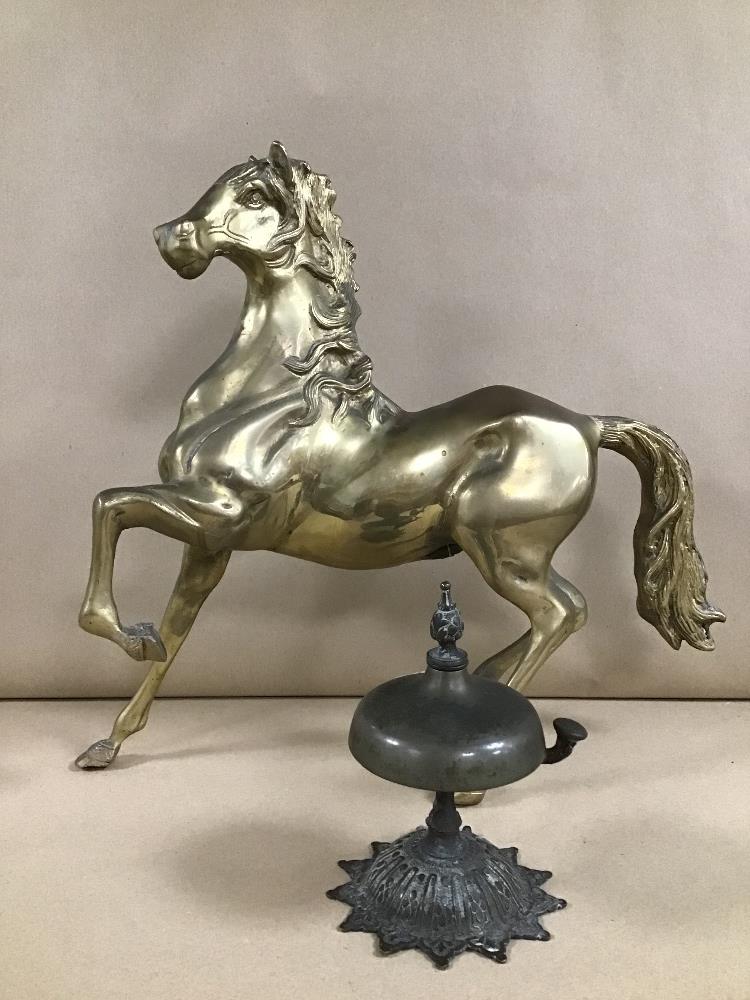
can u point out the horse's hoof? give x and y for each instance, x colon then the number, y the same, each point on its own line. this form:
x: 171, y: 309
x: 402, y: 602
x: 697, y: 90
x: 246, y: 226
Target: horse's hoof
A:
x: 99, y: 755
x: 143, y: 642
x: 463, y: 799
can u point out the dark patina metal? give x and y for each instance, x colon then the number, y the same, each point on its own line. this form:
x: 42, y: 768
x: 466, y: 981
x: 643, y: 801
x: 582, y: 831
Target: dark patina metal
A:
x: 446, y: 729
x: 442, y: 889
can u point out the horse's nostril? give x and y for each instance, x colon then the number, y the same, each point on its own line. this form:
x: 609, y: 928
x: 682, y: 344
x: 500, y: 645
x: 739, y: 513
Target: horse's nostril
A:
x: 185, y: 228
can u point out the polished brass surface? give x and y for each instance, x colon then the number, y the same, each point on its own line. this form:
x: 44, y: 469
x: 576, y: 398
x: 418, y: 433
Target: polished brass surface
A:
x: 285, y: 444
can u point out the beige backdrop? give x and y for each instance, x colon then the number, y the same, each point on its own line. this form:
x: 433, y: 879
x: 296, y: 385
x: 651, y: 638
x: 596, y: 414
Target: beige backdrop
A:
x: 550, y: 194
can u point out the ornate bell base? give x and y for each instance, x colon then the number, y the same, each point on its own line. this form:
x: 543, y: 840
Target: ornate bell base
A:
x: 443, y: 890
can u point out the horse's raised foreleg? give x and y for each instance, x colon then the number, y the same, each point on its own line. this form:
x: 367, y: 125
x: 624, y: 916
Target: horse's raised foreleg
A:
x: 168, y: 509
x: 199, y: 574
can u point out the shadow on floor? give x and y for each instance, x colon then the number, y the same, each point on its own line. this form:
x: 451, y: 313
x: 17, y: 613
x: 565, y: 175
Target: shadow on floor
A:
x: 258, y: 867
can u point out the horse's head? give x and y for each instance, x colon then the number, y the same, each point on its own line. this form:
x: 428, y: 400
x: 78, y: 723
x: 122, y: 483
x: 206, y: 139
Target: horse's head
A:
x: 274, y: 217
x: 255, y: 214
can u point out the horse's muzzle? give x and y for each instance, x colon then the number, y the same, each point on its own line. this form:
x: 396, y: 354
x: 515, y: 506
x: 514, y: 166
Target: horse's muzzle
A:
x: 178, y: 246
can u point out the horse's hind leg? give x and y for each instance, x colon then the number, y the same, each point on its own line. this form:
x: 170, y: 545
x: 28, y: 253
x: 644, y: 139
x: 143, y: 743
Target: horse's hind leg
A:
x: 499, y: 664
x: 561, y: 610
x: 519, y: 570
x: 507, y: 660
x: 199, y: 574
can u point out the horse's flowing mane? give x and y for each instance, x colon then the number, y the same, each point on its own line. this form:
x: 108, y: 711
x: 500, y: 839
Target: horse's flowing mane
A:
x: 306, y: 200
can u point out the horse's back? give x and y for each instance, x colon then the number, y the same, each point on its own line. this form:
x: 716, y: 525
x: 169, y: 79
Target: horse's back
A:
x: 494, y: 404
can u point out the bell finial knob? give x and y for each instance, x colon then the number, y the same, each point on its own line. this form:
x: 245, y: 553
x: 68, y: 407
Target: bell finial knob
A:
x: 446, y: 628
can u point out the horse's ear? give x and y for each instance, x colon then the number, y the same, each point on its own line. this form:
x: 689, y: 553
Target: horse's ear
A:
x: 279, y: 159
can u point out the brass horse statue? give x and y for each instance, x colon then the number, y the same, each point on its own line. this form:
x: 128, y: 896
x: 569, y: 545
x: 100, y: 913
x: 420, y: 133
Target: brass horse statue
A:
x: 285, y: 444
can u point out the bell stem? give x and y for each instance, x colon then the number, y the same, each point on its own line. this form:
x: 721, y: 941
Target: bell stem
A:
x: 444, y: 820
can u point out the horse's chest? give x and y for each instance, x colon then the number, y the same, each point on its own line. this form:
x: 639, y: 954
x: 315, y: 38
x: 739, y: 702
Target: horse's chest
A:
x: 246, y: 455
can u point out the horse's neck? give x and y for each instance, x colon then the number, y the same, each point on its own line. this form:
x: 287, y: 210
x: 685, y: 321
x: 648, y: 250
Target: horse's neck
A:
x: 275, y: 324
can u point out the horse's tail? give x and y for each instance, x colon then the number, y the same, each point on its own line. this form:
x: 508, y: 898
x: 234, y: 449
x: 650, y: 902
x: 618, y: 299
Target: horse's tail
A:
x: 669, y: 569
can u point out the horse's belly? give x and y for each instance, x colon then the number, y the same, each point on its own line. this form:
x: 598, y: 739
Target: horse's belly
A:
x: 369, y: 543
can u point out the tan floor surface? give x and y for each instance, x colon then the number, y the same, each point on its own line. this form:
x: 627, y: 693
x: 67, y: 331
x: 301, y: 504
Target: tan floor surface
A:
x: 197, y: 866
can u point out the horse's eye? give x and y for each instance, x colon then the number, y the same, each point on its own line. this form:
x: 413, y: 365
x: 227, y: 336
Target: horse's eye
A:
x: 252, y: 199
